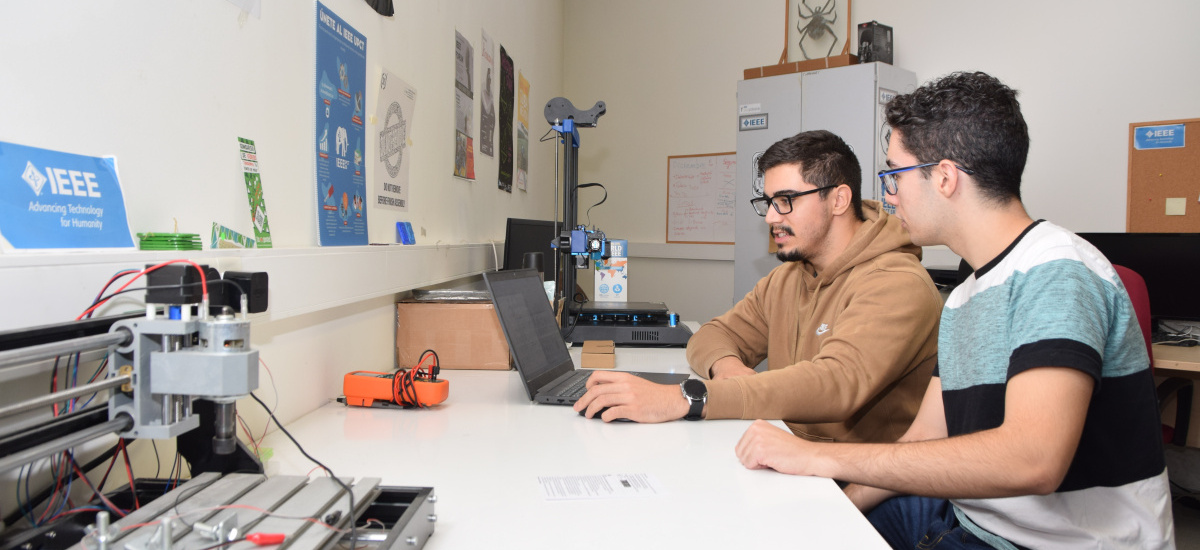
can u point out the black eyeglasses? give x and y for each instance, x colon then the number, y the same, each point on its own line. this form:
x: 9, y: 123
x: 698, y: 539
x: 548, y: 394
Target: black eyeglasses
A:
x: 782, y: 201
x: 888, y: 177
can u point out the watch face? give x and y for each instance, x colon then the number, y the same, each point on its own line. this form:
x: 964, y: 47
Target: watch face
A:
x: 695, y: 389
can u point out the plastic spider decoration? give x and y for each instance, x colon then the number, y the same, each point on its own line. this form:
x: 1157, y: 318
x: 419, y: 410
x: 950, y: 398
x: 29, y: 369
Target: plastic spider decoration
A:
x: 818, y: 24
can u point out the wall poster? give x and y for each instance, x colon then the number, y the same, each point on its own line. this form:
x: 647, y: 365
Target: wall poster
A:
x: 254, y: 193
x: 51, y: 199
x: 464, y: 107
x: 487, y: 103
x: 522, y: 131
x: 394, y: 115
x: 341, y: 82
x: 507, y: 91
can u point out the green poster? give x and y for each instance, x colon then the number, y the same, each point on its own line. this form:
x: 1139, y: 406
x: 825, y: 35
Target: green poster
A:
x: 258, y: 205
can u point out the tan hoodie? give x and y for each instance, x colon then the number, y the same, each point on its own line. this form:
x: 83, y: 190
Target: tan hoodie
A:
x: 849, y: 351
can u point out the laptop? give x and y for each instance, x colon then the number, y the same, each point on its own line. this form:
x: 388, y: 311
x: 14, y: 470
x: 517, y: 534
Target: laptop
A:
x: 537, y: 347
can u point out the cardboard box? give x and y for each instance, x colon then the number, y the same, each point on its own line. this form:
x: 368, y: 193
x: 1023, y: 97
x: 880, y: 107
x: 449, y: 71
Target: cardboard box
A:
x: 465, y: 335
x: 612, y: 275
x: 598, y: 354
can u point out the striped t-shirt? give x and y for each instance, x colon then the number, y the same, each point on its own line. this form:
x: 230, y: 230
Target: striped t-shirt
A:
x: 1052, y: 300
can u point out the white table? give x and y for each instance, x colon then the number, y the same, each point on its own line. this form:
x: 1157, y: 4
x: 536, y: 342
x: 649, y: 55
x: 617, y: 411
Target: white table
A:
x: 484, y: 448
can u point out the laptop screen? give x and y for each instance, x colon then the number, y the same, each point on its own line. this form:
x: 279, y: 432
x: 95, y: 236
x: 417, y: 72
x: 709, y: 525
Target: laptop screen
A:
x: 536, y: 345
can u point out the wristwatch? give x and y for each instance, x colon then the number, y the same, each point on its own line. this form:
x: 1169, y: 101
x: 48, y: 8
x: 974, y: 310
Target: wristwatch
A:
x: 696, y: 392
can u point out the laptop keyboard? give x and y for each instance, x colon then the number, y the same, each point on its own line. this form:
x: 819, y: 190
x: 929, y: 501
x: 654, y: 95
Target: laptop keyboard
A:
x: 575, y: 389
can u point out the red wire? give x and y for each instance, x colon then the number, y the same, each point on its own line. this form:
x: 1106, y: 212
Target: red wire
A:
x: 100, y: 495
x: 129, y: 470
x: 203, y: 283
x: 403, y: 389
x: 112, y: 280
x: 250, y: 436
x: 57, y: 487
x: 269, y: 513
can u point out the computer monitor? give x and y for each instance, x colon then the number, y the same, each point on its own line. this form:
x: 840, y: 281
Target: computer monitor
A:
x: 521, y: 236
x: 1169, y: 262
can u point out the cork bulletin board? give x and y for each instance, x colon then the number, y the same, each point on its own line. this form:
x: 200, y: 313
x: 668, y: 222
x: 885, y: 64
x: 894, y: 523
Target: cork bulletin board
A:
x: 1164, y: 167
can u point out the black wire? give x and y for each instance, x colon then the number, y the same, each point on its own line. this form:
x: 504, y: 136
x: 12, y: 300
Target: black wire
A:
x: 575, y: 320
x: 157, y: 463
x: 436, y: 368
x: 129, y: 467
x: 349, y: 493
x: 160, y: 287
x: 544, y: 138
x: 104, y: 480
x: 589, y: 210
x: 95, y: 490
x: 179, y: 497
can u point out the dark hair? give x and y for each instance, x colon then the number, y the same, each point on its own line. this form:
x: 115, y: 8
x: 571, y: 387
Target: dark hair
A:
x: 969, y: 118
x: 823, y: 159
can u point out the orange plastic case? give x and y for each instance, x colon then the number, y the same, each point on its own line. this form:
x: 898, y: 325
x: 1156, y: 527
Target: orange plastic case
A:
x: 365, y: 388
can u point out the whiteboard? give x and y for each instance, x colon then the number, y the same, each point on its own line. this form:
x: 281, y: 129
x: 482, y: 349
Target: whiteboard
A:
x: 700, y: 198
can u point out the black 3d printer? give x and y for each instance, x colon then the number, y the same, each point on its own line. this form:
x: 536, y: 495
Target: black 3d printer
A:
x: 625, y: 323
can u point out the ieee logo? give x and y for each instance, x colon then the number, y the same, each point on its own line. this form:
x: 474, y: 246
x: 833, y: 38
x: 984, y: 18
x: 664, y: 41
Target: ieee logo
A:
x: 752, y: 122
x: 62, y: 181
x: 1166, y: 136
x: 34, y: 178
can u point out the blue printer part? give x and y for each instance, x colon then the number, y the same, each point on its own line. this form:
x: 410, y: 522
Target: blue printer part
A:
x: 578, y: 242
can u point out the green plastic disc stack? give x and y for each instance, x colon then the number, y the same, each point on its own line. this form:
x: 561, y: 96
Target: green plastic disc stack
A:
x: 169, y: 241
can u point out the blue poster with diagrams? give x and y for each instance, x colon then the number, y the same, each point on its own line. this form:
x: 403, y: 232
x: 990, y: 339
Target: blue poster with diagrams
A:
x: 341, y: 177
x: 50, y: 199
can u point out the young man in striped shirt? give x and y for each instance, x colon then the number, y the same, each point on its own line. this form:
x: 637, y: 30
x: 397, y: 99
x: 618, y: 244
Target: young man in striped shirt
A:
x: 1040, y: 426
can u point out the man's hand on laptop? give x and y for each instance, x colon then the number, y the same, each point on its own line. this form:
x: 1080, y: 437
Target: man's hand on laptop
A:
x: 630, y: 397
x: 729, y: 367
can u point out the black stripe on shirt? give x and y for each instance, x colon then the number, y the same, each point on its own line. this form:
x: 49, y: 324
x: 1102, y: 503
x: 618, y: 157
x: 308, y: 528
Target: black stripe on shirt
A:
x: 1122, y: 436
x: 973, y: 409
x: 1121, y: 440
x: 1056, y: 352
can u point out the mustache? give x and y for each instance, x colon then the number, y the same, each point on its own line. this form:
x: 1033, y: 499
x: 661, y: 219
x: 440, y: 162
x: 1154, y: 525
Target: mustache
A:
x: 783, y: 228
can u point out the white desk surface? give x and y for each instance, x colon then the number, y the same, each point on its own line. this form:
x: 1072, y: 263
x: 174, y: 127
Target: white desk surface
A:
x: 484, y: 448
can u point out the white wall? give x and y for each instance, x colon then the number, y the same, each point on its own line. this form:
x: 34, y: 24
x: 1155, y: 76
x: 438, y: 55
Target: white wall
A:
x: 167, y: 87
x: 1085, y: 70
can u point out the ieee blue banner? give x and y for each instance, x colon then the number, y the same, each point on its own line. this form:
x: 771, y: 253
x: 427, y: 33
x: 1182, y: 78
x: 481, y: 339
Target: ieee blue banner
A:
x: 1166, y: 136
x: 341, y: 83
x: 50, y: 199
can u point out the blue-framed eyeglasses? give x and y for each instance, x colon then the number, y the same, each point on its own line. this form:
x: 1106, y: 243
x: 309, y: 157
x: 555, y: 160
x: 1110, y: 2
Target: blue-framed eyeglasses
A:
x: 888, y: 177
x: 782, y: 201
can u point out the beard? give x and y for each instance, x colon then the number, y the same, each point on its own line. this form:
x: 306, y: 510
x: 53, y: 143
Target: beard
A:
x: 814, y: 237
x: 796, y: 255
x: 791, y: 256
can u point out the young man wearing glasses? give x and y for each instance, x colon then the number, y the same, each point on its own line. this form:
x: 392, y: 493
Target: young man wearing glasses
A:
x: 848, y: 324
x: 1040, y: 427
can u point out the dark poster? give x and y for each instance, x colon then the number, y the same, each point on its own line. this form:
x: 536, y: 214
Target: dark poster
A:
x: 507, y: 94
